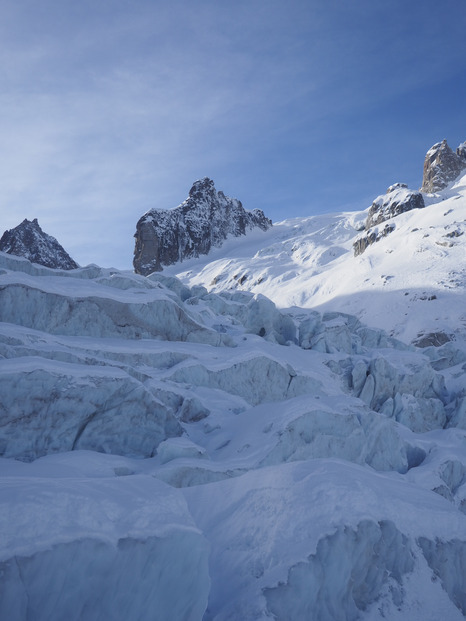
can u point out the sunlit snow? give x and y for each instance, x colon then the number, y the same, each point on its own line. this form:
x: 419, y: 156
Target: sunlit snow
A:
x: 194, y: 450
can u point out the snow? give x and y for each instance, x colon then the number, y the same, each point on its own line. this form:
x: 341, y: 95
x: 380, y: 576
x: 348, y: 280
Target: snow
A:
x: 80, y: 547
x: 389, y: 286
x: 316, y: 518
x: 271, y: 445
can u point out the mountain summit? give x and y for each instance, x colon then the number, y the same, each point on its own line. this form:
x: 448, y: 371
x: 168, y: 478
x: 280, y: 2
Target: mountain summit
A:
x: 202, y: 221
x: 442, y: 166
x: 28, y: 240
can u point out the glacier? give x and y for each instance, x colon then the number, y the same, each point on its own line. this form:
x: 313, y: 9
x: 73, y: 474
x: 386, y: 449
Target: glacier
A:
x: 178, y: 448
x: 114, y: 547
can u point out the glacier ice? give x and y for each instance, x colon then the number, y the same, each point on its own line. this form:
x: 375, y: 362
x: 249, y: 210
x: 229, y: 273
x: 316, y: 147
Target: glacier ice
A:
x: 359, y: 437
x: 256, y: 379
x: 100, y: 317
x: 173, y: 453
x: 411, y: 392
x: 448, y: 561
x: 322, y: 539
x: 345, y: 575
x: 256, y: 313
x: 48, y: 407
x: 98, y: 548
x: 163, y: 578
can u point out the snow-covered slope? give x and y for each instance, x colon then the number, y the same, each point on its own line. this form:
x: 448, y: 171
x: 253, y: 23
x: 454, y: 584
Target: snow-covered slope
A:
x: 171, y: 454
x: 412, y: 282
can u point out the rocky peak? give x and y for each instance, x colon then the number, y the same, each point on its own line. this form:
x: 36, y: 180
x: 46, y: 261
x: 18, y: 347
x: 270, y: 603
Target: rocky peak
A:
x: 397, y: 200
x: 461, y: 151
x: 203, y: 221
x: 28, y: 240
x: 442, y: 166
x: 396, y: 186
x: 203, y: 189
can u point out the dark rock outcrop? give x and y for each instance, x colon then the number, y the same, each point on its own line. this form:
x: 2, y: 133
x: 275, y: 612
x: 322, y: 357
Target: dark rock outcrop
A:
x: 372, y: 236
x: 461, y: 151
x: 203, y: 221
x: 442, y: 166
x: 29, y: 240
x: 397, y: 200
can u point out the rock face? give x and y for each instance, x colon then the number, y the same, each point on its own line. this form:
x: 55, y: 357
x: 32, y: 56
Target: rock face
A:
x: 397, y: 200
x: 201, y: 222
x: 29, y: 240
x: 372, y: 236
x: 461, y: 151
x: 442, y: 166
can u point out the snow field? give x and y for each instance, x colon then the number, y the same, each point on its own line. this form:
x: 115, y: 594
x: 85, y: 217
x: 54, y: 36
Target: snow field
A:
x: 170, y: 452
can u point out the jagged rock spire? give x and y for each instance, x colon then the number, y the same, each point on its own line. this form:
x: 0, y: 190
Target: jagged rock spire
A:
x: 201, y: 222
x: 442, y: 166
x: 29, y: 240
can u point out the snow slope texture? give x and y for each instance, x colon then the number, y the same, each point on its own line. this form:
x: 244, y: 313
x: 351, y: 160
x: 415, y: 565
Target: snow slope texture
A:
x: 411, y: 282
x: 174, y: 453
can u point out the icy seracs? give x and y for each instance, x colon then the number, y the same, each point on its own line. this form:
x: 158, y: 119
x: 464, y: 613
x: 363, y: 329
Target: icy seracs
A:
x: 299, y: 442
x: 190, y: 449
x: 121, y: 547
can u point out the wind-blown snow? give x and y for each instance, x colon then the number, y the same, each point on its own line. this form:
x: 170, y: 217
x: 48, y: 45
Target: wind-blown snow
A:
x: 174, y: 449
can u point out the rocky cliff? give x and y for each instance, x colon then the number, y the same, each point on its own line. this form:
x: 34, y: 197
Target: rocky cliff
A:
x: 398, y: 199
x: 442, y: 166
x: 28, y: 240
x: 201, y: 222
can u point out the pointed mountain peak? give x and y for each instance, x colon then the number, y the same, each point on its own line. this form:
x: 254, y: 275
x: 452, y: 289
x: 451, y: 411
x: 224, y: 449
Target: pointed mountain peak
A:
x: 202, y: 222
x: 202, y: 186
x: 28, y: 240
x: 441, y: 166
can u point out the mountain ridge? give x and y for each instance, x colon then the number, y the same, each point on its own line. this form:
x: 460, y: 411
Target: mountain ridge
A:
x: 203, y: 221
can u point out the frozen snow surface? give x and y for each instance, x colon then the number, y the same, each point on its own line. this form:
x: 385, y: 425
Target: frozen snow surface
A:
x: 419, y: 269
x: 279, y: 433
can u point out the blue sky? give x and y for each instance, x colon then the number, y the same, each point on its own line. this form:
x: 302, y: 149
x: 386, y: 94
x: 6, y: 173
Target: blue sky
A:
x: 111, y: 108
